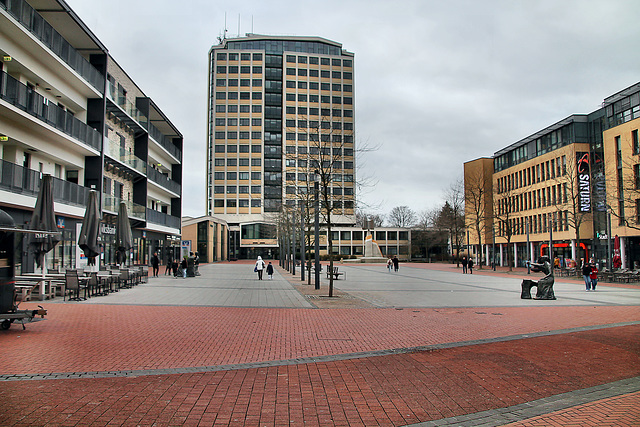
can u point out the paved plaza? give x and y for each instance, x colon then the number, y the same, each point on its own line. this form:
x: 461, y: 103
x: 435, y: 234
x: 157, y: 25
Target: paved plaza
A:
x: 423, y: 346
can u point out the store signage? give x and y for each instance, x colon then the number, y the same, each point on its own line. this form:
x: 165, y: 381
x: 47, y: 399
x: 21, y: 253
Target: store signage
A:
x: 584, y: 182
x: 107, y: 229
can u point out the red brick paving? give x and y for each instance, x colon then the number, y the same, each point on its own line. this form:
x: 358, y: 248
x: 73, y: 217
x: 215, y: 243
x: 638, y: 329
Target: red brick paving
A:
x: 79, y: 338
x: 386, y: 390
x: 615, y: 411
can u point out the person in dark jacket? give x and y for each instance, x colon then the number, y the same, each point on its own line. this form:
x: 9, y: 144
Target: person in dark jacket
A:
x: 155, y: 263
x: 169, y: 267
x: 470, y: 265
x: 270, y: 271
x: 396, y: 263
x: 586, y: 274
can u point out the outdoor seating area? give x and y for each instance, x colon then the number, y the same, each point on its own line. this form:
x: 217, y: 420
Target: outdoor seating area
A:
x: 622, y: 275
x: 78, y: 284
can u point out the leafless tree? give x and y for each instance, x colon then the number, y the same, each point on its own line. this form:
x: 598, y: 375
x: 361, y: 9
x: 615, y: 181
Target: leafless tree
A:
x: 477, y: 189
x: 402, y: 216
x: 626, y: 198
x: 426, y: 235
x: 504, y: 205
x: 376, y: 220
x: 452, y: 215
x: 327, y: 158
x: 569, y: 197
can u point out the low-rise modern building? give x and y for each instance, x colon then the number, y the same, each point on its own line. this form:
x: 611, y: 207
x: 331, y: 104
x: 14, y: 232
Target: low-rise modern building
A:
x: 561, y: 186
x: 69, y: 110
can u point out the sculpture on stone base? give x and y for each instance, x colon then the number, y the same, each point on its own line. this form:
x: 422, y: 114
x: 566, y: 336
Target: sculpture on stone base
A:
x: 544, y: 285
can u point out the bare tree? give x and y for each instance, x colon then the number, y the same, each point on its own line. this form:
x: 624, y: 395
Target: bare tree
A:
x: 376, y: 219
x: 402, y: 216
x: 477, y: 187
x: 626, y: 197
x: 452, y: 215
x: 327, y: 160
x: 503, y: 212
x: 569, y: 197
x: 426, y: 235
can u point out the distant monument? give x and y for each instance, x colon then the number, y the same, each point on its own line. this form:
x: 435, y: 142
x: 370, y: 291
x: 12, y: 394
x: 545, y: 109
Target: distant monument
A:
x: 372, y: 251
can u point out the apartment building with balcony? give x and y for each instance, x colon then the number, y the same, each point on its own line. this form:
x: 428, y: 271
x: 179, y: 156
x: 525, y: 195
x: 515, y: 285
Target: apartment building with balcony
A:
x: 69, y: 110
x: 280, y: 108
x: 561, y: 185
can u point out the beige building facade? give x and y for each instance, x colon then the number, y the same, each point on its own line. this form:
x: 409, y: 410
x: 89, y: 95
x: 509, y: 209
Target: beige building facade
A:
x: 574, y: 185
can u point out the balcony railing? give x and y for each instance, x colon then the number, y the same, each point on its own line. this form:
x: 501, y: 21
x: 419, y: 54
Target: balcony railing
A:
x: 127, y: 106
x: 33, y: 22
x: 118, y: 153
x: 163, y: 180
x: 164, y: 141
x: 18, y: 94
x: 160, y: 218
x: 112, y: 204
x: 20, y: 180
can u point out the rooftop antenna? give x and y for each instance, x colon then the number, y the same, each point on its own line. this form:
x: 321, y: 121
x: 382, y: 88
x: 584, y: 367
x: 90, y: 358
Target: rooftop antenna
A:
x: 251, y: 24
x: 238, y: 25
x: 222, y: 37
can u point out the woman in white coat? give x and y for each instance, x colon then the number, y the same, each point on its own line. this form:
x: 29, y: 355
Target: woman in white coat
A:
x: 259, y: 268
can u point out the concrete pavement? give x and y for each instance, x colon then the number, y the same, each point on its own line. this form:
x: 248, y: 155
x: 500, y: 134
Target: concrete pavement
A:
x: 423, y: 347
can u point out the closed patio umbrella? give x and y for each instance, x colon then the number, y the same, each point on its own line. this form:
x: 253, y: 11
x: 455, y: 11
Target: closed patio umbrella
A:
x: 43, y: 219
x: 124, y: 239
x: 89, y: 238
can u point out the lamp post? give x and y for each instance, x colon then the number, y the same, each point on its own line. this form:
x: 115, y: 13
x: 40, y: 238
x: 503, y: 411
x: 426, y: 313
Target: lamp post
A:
x: 303, y: 255
x: 293, y: 243
x: 493, y: 247
x: 528, y: 247
x: 316, y: 224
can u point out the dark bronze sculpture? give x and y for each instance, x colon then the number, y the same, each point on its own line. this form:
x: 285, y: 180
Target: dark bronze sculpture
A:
x: 544, y: 285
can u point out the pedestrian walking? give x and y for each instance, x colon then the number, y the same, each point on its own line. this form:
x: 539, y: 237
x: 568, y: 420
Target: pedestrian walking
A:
x: 464, y: 265
x: 169, y: 266
x: 593, y: 276
x: 155, y: 263
x: 259, y: 268
x: 196, y: 264
x: 470, y: 265
x: 389, y: 264
x: 270, y: 271
x: 396, y: 263
x: 586, y: 275
x: 183, y: 266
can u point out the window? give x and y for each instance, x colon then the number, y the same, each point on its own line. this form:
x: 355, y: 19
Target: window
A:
x: 255, y: 189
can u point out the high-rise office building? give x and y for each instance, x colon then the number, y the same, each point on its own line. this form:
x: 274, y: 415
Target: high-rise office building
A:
x: 280, y: 109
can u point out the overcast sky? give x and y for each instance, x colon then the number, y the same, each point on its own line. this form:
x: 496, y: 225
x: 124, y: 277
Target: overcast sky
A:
x: 437, y: 83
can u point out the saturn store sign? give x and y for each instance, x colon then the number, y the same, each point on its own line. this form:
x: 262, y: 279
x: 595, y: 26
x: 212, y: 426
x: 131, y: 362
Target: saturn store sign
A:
x: 584, y: 182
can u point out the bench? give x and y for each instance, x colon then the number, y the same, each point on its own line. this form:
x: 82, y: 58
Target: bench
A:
x: 336, y: 274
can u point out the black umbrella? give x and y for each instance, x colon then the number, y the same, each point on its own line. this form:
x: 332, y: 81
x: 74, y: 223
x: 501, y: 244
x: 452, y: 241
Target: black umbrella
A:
x: 124, y: 240
x: 89, y: 238
x: 44, y: 220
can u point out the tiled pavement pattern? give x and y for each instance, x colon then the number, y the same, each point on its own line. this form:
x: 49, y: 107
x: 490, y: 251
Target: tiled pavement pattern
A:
x: 513, y: 356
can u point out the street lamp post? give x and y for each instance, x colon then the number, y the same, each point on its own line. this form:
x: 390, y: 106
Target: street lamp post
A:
x: 303, y: 248
x: 493, y: 247
x: 528, y: 248
x: 316, y: 224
